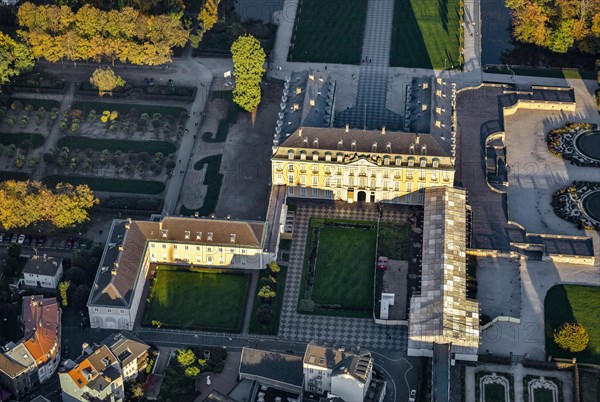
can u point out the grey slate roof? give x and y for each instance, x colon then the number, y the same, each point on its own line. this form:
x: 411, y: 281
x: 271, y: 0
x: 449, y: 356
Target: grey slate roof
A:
x: 362, y: 141
x: 41, y: 265
x: 125, y: 347
x: 275, y: 366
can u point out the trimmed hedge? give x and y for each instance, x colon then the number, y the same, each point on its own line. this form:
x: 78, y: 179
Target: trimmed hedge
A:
x: 18, y: 176
x: 100, y: 144
x: 37, y: 140
x: 109, y: 185
x: 124, y: 108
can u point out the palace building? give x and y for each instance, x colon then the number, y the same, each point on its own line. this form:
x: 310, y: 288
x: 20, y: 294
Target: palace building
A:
x: 361, y: 165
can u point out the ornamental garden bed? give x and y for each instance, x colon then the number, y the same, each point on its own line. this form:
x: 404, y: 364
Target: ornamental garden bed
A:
x: 109, y: 184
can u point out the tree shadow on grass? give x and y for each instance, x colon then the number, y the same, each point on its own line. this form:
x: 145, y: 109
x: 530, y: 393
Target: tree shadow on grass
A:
x: 408, y: 46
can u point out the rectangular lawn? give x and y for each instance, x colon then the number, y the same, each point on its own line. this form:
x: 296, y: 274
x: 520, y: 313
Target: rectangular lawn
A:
x: 494, y: 393
x: 329, y: 31
x: 198, y: 300
x: 574, y: 303
x: 426, y: 34
x: 344, y: 268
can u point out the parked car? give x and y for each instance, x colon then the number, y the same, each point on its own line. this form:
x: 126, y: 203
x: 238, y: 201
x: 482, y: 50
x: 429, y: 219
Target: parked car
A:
x: 382, y: 263
x: 21, y: 239
x: 15, y: 239
x: 413, y: 396
x: 69, y: 243
x: 7, y: 238
x: 41, y: 241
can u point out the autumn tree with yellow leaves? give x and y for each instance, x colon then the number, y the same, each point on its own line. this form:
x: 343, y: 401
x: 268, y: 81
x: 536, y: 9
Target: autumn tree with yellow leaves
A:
x: 572, y: 337
x: 57, y: 32
x: 106, y: 80
x: 25, y: 203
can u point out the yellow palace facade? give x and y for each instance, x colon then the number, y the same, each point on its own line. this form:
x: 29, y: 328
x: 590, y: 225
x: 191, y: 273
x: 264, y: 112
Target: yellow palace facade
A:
x: 361, y: 165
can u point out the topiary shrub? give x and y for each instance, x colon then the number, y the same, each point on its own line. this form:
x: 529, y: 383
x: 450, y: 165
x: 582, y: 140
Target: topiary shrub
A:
x: 571, y: 337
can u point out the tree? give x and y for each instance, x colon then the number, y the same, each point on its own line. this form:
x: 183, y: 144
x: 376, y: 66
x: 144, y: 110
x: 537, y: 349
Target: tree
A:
x: 248, y: 65
x: 266, y: 292
x: 571, y: 337
x: 192, y: 371
x: 24, y: 203
x: 106, y: 80
x: 81, y: 295
x: 63, y: 288
x: 208, y: 16
x: 15, y: 58
x: 76, y: 275
x: 186, y: 357
x: 265, y: 314
x: 274, y: 268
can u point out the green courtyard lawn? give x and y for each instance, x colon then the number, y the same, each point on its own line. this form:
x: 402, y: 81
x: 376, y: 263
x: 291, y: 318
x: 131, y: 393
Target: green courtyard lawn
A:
x: 198, y: 299
x: 329, y: 31
x: 426, y: 34
x: 574, y: 303
x: 36, y: 139
x: 99, y: 144
x: 343, y: 275
x: 109, y: 184
x: 494, y: 393
x: 125, y: 108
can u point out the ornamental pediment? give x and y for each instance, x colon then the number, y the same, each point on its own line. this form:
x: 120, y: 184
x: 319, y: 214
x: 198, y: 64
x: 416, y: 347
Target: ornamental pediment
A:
x: 356, y: 159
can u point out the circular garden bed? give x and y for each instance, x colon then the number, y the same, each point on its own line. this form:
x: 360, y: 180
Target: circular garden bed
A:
x: 576, y: 142
x: 579, y: 203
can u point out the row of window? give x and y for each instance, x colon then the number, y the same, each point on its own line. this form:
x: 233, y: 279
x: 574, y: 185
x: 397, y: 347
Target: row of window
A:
x: 109, y: 310
x: 198, y: 248
x: 199, y: 260
x: 360, y: 182
x: 410, y: 161
x: 406, y: 198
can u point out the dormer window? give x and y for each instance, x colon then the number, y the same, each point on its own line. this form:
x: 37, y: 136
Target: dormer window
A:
x: 388, y: 147
x: 303, y: 155
x: 209, y: 236
x: 411, y: 162
x: 290, y: 154
x: 340, y: 144
x: 398, y: 161
x: 340, y: 157
x: 328, y: 157
x: 305, y: 142
x: 164, y: 232
x: 187, y: 234
x: 232, y: 238
x: 316, y: 143
x: 374, y: 146
x: 386, y: 160
x: 198, y: 235
x: 436, y: 163
x: 315, y: 156
x: 423, y: 162
x: 353, y: 145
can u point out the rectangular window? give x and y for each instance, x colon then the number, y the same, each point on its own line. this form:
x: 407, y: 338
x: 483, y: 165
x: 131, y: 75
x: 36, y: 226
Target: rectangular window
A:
x: 290, y: 179
x: 174, y: 246
x: 408, y: 187
x: 164, y: 257
x: 210, y: 260
x: 109, y: 311
x: 164, y: 246
x: 303, y: 180
x: 315, y: 168
x: 197, y: 248
x: 422, y: 175
x: 434, y: 176
x: 291, y: 190
x: 315, y: 180
x: 315, y: 192
x: 186, y: 247
x: 303, y: 192
x: 198, y: 258
x: 122, y: 311
x: 96, y: 309
x: 152, y: 245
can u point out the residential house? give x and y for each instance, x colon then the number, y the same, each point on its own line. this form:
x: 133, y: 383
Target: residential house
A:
x: 36, y: 356
x: 43, y: 271
x: 131, y: 353
x: 336, y: 371
x: 134, y: 245
x: 93, y: 376
x: 279, y: 370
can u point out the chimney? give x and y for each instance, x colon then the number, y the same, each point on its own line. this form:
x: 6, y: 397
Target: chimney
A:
x: 417, y: 139
x: 347, y: 128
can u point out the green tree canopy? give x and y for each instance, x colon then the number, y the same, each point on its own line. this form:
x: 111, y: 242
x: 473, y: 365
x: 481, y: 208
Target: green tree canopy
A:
x: 106, y: 80
x: 248, y: 65
x: 24, y: 203
x: 559, y: 25
x: 15, y: 58
x: 186, y: 357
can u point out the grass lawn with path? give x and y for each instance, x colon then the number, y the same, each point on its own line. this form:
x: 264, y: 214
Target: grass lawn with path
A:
x: 329, y: 31
x: 273, y: 328
x: 203, y: 299
x: 99, y: 144
x: 345, y: 259
x: 109, y: 184
x: 574, y: 303
x: 426, y: 34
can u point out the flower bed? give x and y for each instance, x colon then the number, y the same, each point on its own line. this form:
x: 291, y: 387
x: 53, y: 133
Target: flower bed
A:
x: 566, y: 203
x: 561, y: 142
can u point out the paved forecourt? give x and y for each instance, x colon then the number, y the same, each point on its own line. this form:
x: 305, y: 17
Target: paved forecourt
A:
x: 337, y: 330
